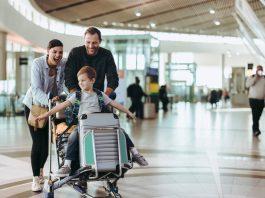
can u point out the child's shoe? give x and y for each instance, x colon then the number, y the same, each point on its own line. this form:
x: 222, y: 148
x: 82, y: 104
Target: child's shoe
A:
x: 139, y: 159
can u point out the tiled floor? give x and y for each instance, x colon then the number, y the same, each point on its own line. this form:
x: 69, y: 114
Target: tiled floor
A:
x: 193, y: 151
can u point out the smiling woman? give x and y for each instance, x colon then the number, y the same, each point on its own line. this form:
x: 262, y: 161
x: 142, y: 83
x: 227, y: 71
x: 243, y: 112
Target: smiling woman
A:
x: 47, y: 77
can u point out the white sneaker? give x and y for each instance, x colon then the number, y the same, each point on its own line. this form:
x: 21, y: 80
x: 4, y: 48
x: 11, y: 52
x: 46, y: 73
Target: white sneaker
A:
x: 36, y: 187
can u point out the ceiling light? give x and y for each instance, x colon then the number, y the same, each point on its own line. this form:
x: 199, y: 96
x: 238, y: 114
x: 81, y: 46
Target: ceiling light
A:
x: 153, y: 25
x: 114, y: 23
x: 135, y: 25
x: 78, y: 20
x: 138, y: 14
x: 216, y: 22
x: 212, y: 11
x: 105, y: 23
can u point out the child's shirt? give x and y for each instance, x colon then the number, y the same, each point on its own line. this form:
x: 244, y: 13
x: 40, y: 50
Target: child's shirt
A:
x: 89, y: 102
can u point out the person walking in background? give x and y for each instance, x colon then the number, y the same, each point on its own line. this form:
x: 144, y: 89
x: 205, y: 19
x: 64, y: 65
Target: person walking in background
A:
x: 47, y: 77
x: 256, y: 85
x: 163, y: 97
x: 97, y: 57
x: 135, y: 92
x: 213, y: 98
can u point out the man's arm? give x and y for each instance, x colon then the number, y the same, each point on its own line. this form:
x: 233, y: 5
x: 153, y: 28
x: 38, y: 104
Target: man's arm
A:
x: 112, y: 75
x: 70, y: 72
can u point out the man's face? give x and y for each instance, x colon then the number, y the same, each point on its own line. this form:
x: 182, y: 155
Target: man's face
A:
x: 259, y: 71
x: 92, y: 43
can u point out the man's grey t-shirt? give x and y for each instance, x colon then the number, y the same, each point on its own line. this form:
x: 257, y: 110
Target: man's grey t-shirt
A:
x: 89, y: 102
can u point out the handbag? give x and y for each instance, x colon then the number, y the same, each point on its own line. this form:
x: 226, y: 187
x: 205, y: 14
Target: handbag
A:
x: 36, y: 111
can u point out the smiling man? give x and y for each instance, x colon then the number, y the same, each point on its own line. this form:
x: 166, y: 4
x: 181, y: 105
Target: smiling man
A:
x: 95, y: 56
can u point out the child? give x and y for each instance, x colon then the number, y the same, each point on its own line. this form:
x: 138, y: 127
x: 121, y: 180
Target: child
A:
x: 89, y: 104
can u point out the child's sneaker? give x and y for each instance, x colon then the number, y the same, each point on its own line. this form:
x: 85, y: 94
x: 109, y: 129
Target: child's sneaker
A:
x: 64, y: 171
x: 36, y: 187
x: 139, y: 159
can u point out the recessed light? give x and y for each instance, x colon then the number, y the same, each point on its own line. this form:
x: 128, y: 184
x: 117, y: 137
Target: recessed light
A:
x: 212, y: 11
x: 216, y: 22
x: 114, y: 23
x: 153, y: 25
x: 105, y: 23
x: 129, y: 25
x: 77, y: 20
x: 135, y: 25
x: 138, y: 14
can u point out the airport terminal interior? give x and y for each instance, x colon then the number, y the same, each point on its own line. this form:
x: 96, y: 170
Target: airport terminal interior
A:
x: 198, y: 54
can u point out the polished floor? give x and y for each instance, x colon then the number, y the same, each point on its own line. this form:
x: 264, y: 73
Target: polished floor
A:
x: 193, y: 151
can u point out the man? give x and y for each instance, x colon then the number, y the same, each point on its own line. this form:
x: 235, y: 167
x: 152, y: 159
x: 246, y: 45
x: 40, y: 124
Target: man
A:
x: 135, y: 92
x: 91, y: 54
x: 256, y: 85
x: 163, y: 97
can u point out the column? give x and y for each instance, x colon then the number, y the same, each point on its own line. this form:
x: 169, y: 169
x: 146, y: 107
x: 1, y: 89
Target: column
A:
x: 2, y: 56
x: 223, y: 71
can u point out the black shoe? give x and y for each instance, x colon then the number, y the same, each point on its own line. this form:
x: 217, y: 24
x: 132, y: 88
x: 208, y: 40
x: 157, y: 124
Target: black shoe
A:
x: 256, y: 133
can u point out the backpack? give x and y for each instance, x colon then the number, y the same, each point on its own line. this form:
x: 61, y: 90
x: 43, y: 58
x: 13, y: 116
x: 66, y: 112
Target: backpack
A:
x: 71, y: 112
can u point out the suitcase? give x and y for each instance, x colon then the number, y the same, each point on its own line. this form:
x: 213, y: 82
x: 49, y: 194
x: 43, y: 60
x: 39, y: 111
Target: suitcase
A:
x: 102, y: 143
x: 149, y: 109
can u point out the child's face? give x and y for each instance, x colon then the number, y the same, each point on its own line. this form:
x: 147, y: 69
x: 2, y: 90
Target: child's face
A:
x: 85, y: 83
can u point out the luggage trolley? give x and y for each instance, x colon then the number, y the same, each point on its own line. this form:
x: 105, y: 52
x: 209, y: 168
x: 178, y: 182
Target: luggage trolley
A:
x: 103, y: 154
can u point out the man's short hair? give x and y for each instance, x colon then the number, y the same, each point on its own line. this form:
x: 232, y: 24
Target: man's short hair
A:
x: 259, y: 67
x: 89, y: 71
x: 92, y: 30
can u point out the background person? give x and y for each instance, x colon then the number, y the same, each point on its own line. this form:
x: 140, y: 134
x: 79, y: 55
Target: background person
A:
x: 163, y: 97
x: 47, y: 77
x: 135, y: 92
x: 256, y: 85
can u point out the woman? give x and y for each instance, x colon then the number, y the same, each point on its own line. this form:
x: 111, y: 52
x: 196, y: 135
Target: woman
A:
x: 47, y: 77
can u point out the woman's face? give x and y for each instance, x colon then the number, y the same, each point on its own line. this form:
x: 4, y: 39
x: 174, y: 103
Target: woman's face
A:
x: 55, y: 54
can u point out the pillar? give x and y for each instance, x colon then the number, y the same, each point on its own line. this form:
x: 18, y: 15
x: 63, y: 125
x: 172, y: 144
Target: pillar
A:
x: 2, y: 55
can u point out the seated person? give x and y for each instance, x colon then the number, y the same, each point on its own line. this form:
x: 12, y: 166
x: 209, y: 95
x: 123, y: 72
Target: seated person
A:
x: 89, y: 104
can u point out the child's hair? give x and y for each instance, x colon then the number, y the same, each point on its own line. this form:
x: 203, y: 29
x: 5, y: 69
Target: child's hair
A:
x: 89, y: 71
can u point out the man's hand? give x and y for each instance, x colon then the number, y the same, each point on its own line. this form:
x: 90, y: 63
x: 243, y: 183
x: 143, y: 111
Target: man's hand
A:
x: 108, y: 91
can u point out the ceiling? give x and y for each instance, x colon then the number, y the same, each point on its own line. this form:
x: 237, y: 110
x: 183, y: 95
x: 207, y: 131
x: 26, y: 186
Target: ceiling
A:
x: 182, y: 16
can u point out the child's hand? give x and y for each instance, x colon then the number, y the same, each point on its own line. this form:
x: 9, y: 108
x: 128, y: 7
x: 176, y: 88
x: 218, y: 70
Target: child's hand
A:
x: 41, y: 117
x: 131, y: 115
x: 56, y: 98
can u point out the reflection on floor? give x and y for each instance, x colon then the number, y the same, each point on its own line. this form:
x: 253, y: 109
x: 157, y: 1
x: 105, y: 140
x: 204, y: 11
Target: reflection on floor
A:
x: 193, y: 151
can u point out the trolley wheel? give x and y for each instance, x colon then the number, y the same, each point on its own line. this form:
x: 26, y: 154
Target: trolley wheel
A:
x: 115, y: 194
x: 48, y: 194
